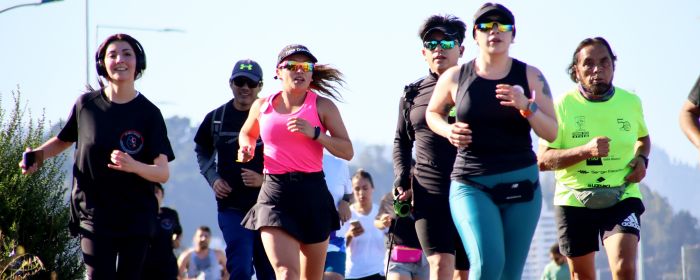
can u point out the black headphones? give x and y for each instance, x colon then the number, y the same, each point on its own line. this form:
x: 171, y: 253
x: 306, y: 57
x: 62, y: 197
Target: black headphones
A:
x: 138, y: 51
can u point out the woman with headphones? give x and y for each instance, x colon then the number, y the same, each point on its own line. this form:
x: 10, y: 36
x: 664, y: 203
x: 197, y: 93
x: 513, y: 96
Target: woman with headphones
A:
x: 122, y: 152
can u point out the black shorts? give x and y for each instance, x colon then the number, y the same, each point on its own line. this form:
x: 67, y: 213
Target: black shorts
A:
x: 434, y: 226
x: 580, y: 228
x: 298, y: 203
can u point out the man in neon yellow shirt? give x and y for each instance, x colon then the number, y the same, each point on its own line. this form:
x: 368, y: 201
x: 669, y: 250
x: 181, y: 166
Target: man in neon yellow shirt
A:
x: 599, y: 157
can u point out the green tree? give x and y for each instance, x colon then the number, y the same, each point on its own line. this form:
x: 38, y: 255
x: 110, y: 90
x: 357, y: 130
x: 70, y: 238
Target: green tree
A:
x: 34, y: 213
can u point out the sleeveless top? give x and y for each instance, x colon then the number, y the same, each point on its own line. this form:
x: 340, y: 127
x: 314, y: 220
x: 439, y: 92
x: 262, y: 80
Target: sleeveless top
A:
x: 208, y: 267
x: 287, y: 151
x: 500, y: 135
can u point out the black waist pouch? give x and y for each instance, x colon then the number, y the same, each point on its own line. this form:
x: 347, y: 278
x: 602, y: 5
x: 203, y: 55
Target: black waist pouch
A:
x: 522, y: 191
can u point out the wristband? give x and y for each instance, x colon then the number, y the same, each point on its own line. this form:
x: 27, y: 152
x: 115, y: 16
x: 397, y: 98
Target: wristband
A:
x: 317, y: 132
x: 645, y: 159
x: 346, y: 197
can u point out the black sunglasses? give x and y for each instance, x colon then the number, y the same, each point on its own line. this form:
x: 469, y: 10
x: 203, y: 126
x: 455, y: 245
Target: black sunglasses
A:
x: 240, y: 81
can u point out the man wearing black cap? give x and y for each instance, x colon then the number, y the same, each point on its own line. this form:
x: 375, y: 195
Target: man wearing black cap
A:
x: 236, y: 185
x: 442, y: 37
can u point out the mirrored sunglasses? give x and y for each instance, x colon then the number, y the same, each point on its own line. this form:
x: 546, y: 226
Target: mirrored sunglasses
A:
x: 444, y: 44
x: 488, y: 26
x: 296, y: 66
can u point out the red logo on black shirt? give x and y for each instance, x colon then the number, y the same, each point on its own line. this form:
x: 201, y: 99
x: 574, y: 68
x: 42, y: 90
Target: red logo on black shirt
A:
x: 131, y: 142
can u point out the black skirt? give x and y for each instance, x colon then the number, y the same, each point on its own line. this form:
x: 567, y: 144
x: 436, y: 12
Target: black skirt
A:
x: 298, y: 203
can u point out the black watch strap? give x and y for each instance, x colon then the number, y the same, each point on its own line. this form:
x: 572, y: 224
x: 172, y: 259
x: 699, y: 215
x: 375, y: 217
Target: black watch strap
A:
x: 646, y: 160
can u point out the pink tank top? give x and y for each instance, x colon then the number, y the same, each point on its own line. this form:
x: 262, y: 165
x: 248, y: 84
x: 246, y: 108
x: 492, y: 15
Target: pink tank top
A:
x: 287, y: 151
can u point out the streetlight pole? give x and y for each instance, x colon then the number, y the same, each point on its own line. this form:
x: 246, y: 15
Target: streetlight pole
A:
x: 103, y: 26
x: 28, y: 4
x: 684, y: 273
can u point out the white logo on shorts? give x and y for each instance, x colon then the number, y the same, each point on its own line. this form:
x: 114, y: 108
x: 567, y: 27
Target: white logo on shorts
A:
x: 631, y: 221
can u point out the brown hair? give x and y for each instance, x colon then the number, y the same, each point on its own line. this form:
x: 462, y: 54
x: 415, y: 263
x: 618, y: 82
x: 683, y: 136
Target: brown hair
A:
x: 362, y: 174
x: 204, y: 229
x: 326, y: 79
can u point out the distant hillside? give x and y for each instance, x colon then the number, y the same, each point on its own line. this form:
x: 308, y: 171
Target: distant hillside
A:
x: 676, y: 181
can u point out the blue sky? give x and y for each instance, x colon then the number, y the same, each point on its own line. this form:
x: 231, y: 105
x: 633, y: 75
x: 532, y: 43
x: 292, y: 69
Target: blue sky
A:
x: 373, y: 42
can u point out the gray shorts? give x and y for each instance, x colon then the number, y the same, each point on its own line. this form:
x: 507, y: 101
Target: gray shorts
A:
x: 419, y: 269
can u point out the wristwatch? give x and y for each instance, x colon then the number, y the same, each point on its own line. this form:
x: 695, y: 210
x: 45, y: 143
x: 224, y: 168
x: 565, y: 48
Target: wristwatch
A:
x: 645, y: 159
x: 531, y: 109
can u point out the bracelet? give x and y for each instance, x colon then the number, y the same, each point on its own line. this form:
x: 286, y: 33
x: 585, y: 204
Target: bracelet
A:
x: 317, y: 132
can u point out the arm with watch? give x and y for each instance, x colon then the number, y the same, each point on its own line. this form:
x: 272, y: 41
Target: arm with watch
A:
x: 640, y: 162
x: 539, y: 109
x: 344, y: 212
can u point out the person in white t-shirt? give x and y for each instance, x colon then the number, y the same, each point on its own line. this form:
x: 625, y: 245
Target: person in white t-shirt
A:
x: 365, y: 243
x: 338, y: 181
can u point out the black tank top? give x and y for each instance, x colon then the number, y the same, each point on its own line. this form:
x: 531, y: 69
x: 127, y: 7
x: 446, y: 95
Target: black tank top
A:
x: 500, y: 135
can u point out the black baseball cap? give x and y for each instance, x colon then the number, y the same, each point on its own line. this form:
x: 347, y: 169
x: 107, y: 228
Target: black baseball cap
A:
x: 247, y: 68
x: 448, y: 32
x: 295, y: 49
x: 490, y: 9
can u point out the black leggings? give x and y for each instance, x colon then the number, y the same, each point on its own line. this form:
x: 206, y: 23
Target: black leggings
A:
x: 113, y: 257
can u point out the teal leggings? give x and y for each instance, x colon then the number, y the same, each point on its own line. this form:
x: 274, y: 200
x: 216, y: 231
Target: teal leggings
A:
x: 496, y: 237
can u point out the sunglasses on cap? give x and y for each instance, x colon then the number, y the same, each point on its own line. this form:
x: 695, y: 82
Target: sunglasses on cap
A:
x: 296, y: 66
x: 488, y: 26
x: 241, y: 81
x: 444, y: 44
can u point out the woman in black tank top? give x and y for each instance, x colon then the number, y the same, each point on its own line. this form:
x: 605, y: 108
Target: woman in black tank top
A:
x: 494, y: 195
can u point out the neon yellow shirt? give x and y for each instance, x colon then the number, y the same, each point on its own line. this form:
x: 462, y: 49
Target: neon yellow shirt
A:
x: 621, y: 119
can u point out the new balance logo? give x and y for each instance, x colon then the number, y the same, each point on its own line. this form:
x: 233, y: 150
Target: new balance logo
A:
x: 631, y: 221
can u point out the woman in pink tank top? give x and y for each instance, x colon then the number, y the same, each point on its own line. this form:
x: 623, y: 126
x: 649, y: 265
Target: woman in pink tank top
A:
x: 295, y: 213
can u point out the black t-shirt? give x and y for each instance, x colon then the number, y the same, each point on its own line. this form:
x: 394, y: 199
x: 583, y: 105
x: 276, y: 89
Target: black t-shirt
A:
x: 103, y: 200
x: 403, y: 229
x: 160, y: 259
x: 435, y: 156
x: 242, y: 197
x: 500, y: 135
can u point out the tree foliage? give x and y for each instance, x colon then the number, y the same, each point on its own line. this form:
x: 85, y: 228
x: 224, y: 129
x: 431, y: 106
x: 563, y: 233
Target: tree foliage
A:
x: 663, y: 234
x: 34, y: 213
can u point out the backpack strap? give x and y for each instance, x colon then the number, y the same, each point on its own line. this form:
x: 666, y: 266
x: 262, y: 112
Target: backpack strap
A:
x: 467, y: 75
x: 217, y: 123
x: 410, y: 92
